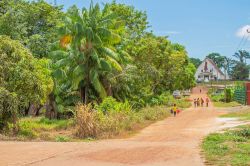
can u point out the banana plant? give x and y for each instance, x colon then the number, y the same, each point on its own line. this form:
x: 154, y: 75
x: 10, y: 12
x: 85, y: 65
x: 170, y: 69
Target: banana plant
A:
x: 89, y: 38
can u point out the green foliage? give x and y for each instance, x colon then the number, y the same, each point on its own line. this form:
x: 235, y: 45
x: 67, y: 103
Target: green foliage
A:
x: 110, y: 104
x: 32, y: 128
x: 22, y: 74
x: 217, y: 58
x: 195, y: 61
x: 243, y: 115
x: 231, y: 147
x: 242, y: 56
x: 94, y: 53
x: 229, y: 105
x: 228, y: 95
x: 8, y: 109
x: 240, y: 71
x: 62, y: 139
x: 23, y: 80
x: 32, y: 23
x: 217, y: 98
x: 88, y: 38
x: 228, y: 148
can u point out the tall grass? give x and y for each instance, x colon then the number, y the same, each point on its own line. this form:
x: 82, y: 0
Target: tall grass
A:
x: 99, y: 124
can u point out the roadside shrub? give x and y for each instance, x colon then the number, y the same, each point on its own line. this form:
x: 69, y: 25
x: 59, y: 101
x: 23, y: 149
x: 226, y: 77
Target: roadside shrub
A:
x: 110, y: 104
x: 228, y: 95
x: 85, y: 121
x: 168, y: 100
x: 8, y: 110
x: 163, y: 99
x: 104, y: 123
x: 218, y: 97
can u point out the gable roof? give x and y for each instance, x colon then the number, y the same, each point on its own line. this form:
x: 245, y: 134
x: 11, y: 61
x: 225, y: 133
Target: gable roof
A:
x: 215, y: 66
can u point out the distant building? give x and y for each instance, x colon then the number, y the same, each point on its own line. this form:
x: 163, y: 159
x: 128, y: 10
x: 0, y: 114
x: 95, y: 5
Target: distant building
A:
x: 208, y: 70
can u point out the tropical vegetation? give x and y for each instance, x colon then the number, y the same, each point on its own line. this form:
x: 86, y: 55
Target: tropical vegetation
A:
x: 100, y: 63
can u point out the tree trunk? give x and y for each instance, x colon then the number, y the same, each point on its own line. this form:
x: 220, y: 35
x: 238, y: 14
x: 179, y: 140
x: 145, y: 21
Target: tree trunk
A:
x: 82, y: 94
x: 51, y: 110
x: 34, y: 109
x: 86, y: 94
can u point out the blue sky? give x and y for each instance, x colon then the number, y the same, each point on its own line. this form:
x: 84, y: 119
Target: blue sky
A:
x: 202, y: 26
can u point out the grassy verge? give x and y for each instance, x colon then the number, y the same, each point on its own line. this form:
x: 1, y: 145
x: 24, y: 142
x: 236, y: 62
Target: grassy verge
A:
x: 43, y: 129
x: 224, y: 104
x: 231, y: 147
x: 243, y: 115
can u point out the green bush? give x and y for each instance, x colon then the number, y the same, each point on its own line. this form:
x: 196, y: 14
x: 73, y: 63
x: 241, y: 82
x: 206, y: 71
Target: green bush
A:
x: 218, y: 97
x: 110, y: 104
x: 8, y: 110
x: 228, y: 95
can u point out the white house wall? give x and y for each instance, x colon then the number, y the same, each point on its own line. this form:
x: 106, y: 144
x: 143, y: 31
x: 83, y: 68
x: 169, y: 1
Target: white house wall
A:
x: 211, y: 67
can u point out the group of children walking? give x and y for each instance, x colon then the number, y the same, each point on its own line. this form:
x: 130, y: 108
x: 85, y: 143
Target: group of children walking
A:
x: 200, y: 102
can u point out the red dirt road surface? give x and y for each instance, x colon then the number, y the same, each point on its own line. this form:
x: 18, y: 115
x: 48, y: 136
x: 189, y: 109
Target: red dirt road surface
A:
x: 171, y: 142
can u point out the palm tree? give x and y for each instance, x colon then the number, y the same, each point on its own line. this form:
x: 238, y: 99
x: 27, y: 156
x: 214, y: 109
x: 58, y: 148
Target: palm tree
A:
x: 89, y: 37
x: 242, y: 56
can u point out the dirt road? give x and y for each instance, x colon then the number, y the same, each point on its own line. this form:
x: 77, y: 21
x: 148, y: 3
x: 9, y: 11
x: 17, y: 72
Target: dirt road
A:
x: 173, y: 141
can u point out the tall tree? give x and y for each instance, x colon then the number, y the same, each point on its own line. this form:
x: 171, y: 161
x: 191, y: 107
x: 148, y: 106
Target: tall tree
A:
x: 228, y: 66
x: 240, y: 71
x: 217, y: 58
x: 242, y: 56
x: 22, y: 74
x: 89, y: 37
x: 32, y: 23
x: 195, y: 61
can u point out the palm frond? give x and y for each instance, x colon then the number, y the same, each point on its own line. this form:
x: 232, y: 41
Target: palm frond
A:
x: 114, y: 64
x: 105, y: 65
x: 97, y: 84
x: 58, y: 54
x: 107, y: 51
x: 59, y: 74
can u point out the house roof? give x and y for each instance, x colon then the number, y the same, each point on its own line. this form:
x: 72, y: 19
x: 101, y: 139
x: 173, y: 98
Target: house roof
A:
x: 215, y: 66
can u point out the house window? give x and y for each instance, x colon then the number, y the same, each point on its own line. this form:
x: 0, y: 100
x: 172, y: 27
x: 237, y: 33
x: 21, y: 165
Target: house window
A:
x: 210, y: 70
x: 201, y: 70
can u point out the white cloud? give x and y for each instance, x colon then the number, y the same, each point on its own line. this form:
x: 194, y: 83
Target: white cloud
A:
x: 243, y: 31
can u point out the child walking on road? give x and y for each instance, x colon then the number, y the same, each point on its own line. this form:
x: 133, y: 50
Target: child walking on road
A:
x: 207, y: 101
x: 174, y: 110
x: 195, y: 103
x: 202, y: 102
x: 198, y: 102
